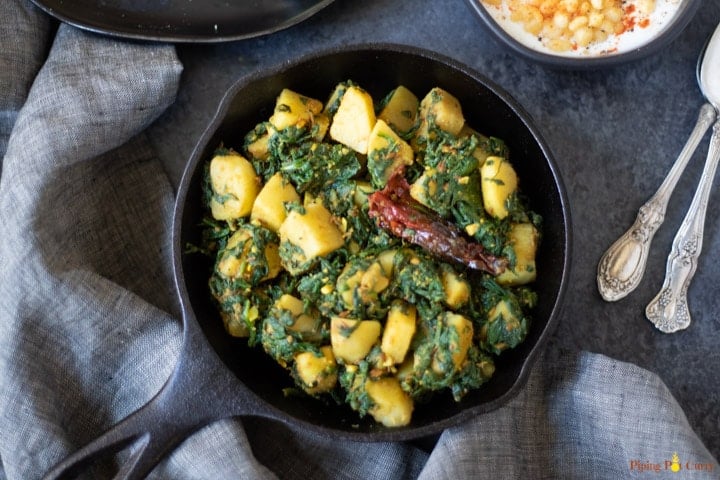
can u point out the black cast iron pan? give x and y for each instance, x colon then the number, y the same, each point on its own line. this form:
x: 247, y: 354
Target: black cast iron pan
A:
x: 218, y: 376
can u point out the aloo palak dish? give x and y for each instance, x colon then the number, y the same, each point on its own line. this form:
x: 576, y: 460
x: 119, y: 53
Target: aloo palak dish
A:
x: 380, y: 253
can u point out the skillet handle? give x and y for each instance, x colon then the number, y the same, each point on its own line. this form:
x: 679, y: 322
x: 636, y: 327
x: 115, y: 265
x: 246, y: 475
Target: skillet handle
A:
x: 201, y: 390
x: 149, y: 434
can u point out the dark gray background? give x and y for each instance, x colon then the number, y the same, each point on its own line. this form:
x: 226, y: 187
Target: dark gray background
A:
x: 614, y: 132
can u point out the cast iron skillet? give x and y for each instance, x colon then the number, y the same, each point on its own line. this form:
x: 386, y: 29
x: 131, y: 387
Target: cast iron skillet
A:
x: 218, y: 376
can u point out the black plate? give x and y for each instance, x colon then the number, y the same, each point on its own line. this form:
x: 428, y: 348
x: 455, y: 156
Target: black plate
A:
x: 205, y: 21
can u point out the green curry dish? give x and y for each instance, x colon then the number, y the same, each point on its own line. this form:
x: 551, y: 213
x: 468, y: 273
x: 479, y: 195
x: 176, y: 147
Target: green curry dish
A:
x: 315, y: 289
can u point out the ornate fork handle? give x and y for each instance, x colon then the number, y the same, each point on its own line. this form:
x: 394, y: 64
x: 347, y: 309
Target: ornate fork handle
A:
x: 623, y: 264
x: 668, y: 311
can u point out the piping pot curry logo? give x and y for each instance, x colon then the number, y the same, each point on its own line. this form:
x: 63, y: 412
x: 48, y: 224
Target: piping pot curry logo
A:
x: 673, y: 465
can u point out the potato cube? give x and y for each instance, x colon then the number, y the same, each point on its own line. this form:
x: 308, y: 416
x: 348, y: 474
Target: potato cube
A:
x: 399, y: 330
x: 321, y: 125
x: 458, y: 347
x: 234, y: 184
x: 524, y: 240
x: 499, y: 182
x: 235, y: 260
x: 457, y: 289
x: 352, y: 340
x: 509, y: 316
x: 303, y: 322
x: 237, y: 319
x: 391, y: 405
x: 464, y: 329
x: 269, y: 206
x: 294, y: 109
x: 313, y: 232
x: 441, y: 109
x: 333, y: 101
x: 354, y: 120
x: 400, y: 110
x: 481, y: 152
x: 425, y: 187
x: 363, y: 189
x: 386, y: 259
x: 362, y: 283
x: 387, y: 152
x: 256, y: 144
x: 317, y: 374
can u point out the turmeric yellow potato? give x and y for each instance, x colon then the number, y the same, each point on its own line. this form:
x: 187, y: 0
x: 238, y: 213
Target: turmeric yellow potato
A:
x: 294, y: 109
x: 236, y: 320
x: 400, y: 110
x: 259, y: 148
x: 443, y: 110
x: 399, y: 330
x: 312, y: 232
x: 386, y: 153
x: 352, y: 340
x: 233, y: 262
x: 386, y: 259
x: 362, y: 191
x: 303, y: 322
x: 317, y: 374
x: 425, y: 187
x: 322, y: 125
x: 457, y: 289
x: 234, y: 185
x: 362, y: 284
x: 464, y: 330
x: 524, y: 240
x: 269, y: 206
x: 354, y: 120
x: 499, y: 181
x: 391, y: 405
x: 503, y: 312
x: 479, y: 153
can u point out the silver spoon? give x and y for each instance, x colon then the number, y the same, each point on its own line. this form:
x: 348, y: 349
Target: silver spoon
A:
x: 668, y: 311
x: 622, y: 266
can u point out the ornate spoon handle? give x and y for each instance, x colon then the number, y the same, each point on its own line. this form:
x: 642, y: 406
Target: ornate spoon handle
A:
x: 669, y: 310
x: 623, y: 264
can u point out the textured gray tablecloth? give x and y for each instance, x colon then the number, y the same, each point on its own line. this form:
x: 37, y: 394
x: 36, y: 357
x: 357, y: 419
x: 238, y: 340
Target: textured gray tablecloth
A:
x: 89, y: 322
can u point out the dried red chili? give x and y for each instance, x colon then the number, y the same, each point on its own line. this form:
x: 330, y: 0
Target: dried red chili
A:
x: 397, y: 212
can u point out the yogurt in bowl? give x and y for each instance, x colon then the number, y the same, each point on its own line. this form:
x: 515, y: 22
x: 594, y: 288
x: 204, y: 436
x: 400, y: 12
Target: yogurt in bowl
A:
x: 583, y: 28
x: 585, y: 34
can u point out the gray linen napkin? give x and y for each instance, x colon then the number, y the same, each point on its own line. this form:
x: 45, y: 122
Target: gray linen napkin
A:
x: 89, y: 323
